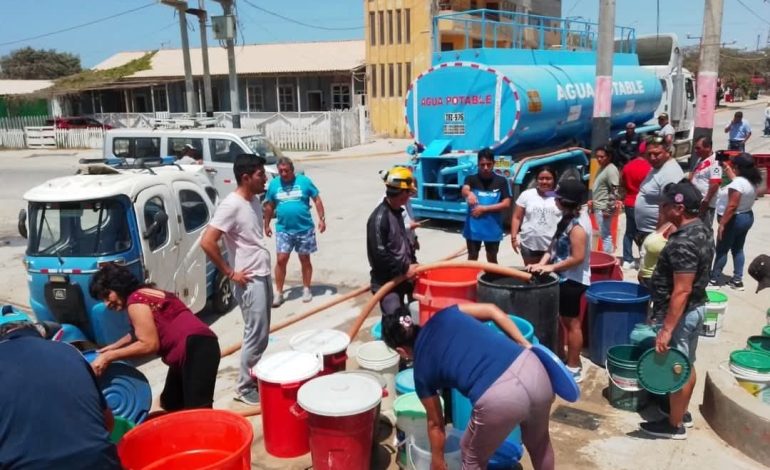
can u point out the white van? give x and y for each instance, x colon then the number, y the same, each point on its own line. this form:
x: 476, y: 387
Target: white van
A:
x: 219, y: 147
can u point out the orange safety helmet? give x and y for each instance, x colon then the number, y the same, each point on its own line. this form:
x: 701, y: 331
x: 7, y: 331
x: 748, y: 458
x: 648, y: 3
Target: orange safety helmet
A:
x: 400, y: 177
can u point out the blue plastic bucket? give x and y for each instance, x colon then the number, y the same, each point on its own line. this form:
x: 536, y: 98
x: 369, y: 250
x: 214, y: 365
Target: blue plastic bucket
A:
x: 526, y: 328
x: 405, y: 381
x: 461, y: 415
x: 614, y: 308
x: 376, y: 331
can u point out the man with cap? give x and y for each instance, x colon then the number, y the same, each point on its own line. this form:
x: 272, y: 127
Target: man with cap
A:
x: 190, y: 156
x: 53, y: 413
x: 388, y: 247
x: 626, y: 146
x: 678, y: 290
x: 665, y: 170
x: 738, y: 132
x: 759, y: 269
x: 666, y: 131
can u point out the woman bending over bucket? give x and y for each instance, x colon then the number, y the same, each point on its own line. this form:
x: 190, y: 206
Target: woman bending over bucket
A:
x: 161, y: 324
x: 505, y: 381
x: 569, y: 257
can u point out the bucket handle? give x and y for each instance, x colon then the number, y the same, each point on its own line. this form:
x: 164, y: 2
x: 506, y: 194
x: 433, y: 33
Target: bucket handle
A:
x: 298, y: 411
x: 624, y: 388
x: 423, y: 299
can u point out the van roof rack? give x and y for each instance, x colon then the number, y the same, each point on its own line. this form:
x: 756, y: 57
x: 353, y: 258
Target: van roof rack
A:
x: 185, y: 122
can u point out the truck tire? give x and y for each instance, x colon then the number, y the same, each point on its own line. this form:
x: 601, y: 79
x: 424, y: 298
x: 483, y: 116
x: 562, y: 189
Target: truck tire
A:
x: 223, y: 299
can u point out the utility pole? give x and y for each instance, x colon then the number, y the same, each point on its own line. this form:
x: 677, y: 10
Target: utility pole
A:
x: 200, y: 12
x: 600, y: 125
x: 181, y: 8
x: 708, y: 72
x: 235, y: 107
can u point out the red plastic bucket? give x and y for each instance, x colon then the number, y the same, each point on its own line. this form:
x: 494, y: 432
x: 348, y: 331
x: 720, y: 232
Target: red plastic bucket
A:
x: 331, y: 344
x: 341, y: 411
x: 441, y: 287
x: 191, y: 439
x: 280, y: 376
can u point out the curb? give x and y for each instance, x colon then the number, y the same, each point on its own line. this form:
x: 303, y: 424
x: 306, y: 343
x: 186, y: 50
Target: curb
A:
x: 324, y: 158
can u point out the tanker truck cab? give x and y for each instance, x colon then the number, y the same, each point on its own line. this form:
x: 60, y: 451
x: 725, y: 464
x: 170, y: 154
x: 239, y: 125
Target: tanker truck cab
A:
x: 148, y: 220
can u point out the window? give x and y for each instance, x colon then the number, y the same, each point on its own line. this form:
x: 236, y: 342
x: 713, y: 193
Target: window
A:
x: 195, y: 214
x: 212, y: 194
x: 259, y: 145
x: 477, y: 44
x: 224, y: 150
x: 474, y: 5
x: 381, y: 26
x: 382, y: 80
x: 152, y: 207
x: 254, y: 98
x: 176, y: 146
x: 408, y: 25
x: 408, y: 73
x: 398, y: 27
x: 689, y: 90
x: 391, y: 81
x: 372, y: 30
x: 447, y: 46
x: 286, y: 98
x: 399, y: 71
x: 373, y: 78
x: 390, y: 26
x: 340, y: 96
x: 160, y: 100
x: 493, y: 16
x: 136, y: 147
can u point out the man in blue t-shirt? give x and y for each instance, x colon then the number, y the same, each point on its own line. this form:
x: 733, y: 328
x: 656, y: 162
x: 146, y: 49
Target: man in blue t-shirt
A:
x: 288, y: 197
x: 53, y: 414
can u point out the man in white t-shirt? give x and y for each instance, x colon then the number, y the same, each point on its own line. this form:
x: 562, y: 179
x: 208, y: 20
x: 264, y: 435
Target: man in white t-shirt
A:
x: 706, y: 176
x: 666, y: 131
x: 238, y: 220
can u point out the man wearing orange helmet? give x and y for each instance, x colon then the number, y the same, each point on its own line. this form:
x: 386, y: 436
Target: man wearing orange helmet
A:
x: 390, y: 252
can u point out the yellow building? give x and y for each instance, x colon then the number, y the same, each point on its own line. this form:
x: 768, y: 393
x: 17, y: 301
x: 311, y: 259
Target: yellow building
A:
x: 399, y: 44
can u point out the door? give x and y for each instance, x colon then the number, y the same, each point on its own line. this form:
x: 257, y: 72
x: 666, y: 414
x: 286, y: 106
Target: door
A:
x: 219, y: 164
x: 160, y: 249
x: 315, y: 100
x: 190, y: 272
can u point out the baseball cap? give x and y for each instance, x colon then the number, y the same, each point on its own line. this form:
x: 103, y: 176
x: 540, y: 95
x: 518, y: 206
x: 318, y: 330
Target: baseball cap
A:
x: 570, y: 190
x: 663, y: 115
x: 630, y: 125
x: 684, y: 193
x: 759, y: 269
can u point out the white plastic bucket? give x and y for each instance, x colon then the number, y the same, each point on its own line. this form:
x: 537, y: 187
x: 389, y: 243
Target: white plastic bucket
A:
x: 419, y: 455
x: 376, y: 356
x: 331, y: 344
x: 757, y: 384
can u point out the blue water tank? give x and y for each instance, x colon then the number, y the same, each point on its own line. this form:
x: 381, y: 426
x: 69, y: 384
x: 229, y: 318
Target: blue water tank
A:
x: 516, y: 108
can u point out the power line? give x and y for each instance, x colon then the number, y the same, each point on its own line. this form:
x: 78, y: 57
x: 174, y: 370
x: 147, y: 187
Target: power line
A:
x: 99, y: 20
x: 291, y: 20
x: 752, y: 11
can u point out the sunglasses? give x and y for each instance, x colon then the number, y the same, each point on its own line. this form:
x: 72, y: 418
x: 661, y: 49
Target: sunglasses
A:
x: 655, y: 139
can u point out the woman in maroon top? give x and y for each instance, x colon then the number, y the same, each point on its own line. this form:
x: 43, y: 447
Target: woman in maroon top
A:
x: 160, y: 324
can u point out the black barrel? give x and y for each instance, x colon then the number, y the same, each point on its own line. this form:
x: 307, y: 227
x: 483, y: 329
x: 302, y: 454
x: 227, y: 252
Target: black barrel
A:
x: 536, y: 301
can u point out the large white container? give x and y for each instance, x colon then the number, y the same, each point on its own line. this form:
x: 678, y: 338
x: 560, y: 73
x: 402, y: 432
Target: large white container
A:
x: 376, y: 356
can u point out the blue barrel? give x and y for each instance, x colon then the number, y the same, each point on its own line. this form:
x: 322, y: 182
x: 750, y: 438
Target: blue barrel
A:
x: 614, y: 308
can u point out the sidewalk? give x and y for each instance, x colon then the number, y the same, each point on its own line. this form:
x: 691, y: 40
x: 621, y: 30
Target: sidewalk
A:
x: 377, y: 147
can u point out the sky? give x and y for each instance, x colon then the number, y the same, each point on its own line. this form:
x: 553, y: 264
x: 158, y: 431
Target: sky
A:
x: 154, y: 26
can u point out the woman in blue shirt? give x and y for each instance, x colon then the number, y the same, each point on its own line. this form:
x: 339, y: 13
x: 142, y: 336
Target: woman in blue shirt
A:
x: 506, y: 382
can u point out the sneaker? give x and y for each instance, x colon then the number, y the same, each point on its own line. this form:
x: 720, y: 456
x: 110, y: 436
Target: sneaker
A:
x: 714, y: 284
x: 686, y: 419
x: 250, y: 398
x: 307, y: 295
x: 664, y: 429
x: 277, y: 300
x: 577, y: 373
x: 735, y: 285
x: 628, y: 265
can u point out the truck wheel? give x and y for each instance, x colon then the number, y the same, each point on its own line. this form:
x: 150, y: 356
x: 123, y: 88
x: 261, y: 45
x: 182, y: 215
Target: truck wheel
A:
x: 223, y: 299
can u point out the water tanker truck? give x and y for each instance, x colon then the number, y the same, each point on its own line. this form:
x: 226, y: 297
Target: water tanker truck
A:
x: 530, y: 99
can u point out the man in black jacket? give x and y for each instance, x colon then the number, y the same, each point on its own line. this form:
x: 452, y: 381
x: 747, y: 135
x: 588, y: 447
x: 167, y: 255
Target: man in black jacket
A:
x: 388, y: 248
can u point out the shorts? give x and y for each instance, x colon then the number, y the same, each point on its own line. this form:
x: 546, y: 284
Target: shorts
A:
x: 474, y: 246
x: 685, y: 335
x: 570, y: 294
x: 527, y: 253
x: 303, y: 243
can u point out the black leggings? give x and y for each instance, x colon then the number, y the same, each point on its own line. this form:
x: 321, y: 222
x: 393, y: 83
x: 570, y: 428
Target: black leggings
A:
x: 192, y: 385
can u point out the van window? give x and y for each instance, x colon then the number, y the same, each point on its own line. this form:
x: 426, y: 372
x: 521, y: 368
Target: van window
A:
x: 224, y: 150
x: 152, y: 207
x: 212, y: 194
x: 689, y: 89
x: 176, y: 146
x: 195, y: 214
x: 263, y: 147
x: 136, y: 147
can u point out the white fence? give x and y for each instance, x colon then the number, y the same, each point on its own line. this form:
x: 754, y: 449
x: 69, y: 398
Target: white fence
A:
x: 37, y: 137
x: 20, y: 122
x: 12, y: 138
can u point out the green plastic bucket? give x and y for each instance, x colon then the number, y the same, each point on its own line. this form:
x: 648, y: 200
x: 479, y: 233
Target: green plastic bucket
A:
x: 766, y: 331
x: 663, y: 373
x: 121, y: 427
x: 758, y: 343
x: 624, y: 390
x: 411, y: 421
x: 751, y: 370
x: 716, y: 307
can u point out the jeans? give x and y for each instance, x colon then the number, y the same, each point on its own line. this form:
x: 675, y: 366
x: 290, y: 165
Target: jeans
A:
x: 628, y: 238
x: 604, y: 222
x: 733, y: 239
x: 255, y: 301
x: 739, y: 145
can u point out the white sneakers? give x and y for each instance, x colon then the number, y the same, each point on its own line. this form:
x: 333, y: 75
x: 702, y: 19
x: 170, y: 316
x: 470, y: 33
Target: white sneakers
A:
x: 307, y: 295
x: 278, y: 298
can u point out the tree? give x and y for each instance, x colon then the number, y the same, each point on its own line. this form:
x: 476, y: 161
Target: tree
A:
x: 30, y: 64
